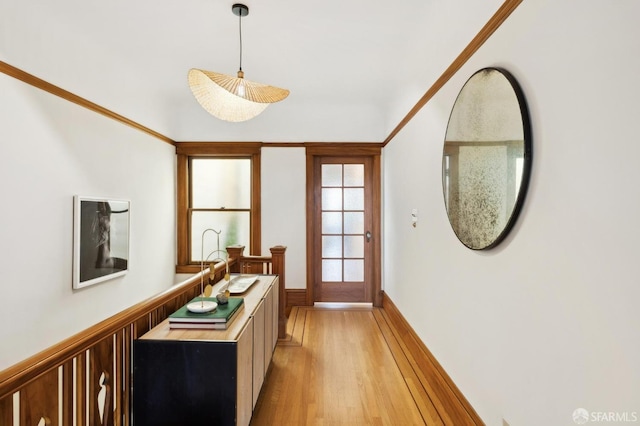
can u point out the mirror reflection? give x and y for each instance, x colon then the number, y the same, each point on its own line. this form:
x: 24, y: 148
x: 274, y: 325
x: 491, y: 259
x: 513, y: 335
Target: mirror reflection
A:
x: 486, y: 158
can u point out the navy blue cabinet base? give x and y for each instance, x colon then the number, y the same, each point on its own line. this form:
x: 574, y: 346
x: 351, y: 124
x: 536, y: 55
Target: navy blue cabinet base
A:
x: 184, y: 383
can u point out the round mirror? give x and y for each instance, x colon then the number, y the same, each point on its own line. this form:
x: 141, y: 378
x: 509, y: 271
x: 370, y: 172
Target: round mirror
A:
x: 487, y: 158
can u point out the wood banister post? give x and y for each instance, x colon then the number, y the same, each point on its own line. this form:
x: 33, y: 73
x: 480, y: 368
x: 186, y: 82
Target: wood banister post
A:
x: 277, y: 262
x: 235, y: 252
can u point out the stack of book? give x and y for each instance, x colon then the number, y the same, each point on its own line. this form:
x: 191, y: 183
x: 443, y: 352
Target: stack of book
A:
x: 217, y: 319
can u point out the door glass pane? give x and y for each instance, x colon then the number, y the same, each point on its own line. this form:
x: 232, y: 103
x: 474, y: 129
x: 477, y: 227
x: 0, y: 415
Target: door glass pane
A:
x: 331, y: 199
x: 354, y: 198
x: 234, y: 226
x: 331, y: 222
x: 354, y: 223
x: 354, y: 246
x: 331, y: 246
x: 354, y: 175
x: 331, y: 270
x: 354, y: 270
x: 342, y: 223
x: 218, y: 182
x: 332, y: 175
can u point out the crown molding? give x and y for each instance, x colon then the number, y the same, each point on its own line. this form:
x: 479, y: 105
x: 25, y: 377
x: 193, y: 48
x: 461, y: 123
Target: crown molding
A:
x: 34, y: 81
x: 489, y: 28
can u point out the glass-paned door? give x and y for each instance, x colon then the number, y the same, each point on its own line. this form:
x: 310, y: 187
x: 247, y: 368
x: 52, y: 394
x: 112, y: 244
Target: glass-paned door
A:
x: 343, y: 224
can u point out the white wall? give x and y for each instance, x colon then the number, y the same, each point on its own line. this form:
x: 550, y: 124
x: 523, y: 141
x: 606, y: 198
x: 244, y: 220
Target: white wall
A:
x: 284, y: 209
x: 51, y: 151
x: 548, y: 321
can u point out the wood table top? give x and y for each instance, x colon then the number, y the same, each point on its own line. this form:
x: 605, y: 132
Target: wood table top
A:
x: 252, y: 298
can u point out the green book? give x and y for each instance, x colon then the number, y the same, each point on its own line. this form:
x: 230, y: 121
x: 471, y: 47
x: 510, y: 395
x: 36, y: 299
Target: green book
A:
x: 221, y: 314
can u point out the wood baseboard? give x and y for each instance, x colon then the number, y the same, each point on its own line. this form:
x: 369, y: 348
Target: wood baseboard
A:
x: 451, y: 405
x: 296, y: 297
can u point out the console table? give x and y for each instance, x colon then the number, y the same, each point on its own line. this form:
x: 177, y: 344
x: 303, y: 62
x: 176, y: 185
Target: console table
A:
x: 189, y: 377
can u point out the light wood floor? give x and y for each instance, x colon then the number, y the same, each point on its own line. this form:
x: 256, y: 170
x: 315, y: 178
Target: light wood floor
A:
x: 337, y: 367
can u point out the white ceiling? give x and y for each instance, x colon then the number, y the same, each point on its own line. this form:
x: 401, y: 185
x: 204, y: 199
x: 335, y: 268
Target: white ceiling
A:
x: 354, y: 68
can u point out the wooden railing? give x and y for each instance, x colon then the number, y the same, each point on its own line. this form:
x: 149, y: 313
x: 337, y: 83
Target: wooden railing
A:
x: 265, y: 265
x: 87, y: 378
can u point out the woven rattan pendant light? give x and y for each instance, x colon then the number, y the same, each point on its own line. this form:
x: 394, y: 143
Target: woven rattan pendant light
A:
x: 233, y: 98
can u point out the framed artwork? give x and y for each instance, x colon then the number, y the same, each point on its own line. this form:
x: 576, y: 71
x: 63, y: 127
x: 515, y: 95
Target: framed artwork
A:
x: 100, y: 240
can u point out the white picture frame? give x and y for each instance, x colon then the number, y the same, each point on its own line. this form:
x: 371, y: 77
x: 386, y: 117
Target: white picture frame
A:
x: 100, y: 239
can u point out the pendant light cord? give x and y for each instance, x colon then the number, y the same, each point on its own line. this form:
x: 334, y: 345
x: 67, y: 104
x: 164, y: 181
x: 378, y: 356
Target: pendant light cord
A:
x: 240, y: 31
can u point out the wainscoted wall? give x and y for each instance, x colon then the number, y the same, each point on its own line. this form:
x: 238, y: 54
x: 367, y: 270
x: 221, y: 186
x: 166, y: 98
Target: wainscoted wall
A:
x: 547, y: 322
x: 52, y: 150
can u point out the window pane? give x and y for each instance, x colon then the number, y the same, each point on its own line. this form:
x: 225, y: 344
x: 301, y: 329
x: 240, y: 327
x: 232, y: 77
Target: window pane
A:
x: 331, y: 223
x: 354, y: 270
x: 354, y: 223
x: 354, y: 198
x: 221, y: 182
x: 354, y: 246
x: 354, y: 175
x: 331, y: 270
x: 331, y: 199
x: 234, y: 227
x: 331, y: 246
x: 332, y: 175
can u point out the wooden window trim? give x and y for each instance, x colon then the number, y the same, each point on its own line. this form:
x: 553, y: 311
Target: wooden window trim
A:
x: 187, y: 150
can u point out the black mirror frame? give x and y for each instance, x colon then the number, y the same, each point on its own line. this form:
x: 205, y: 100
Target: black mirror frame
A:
x: 527, y: 164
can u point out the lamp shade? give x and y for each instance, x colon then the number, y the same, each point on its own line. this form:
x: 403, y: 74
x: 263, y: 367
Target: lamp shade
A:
x: 232, y: 98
